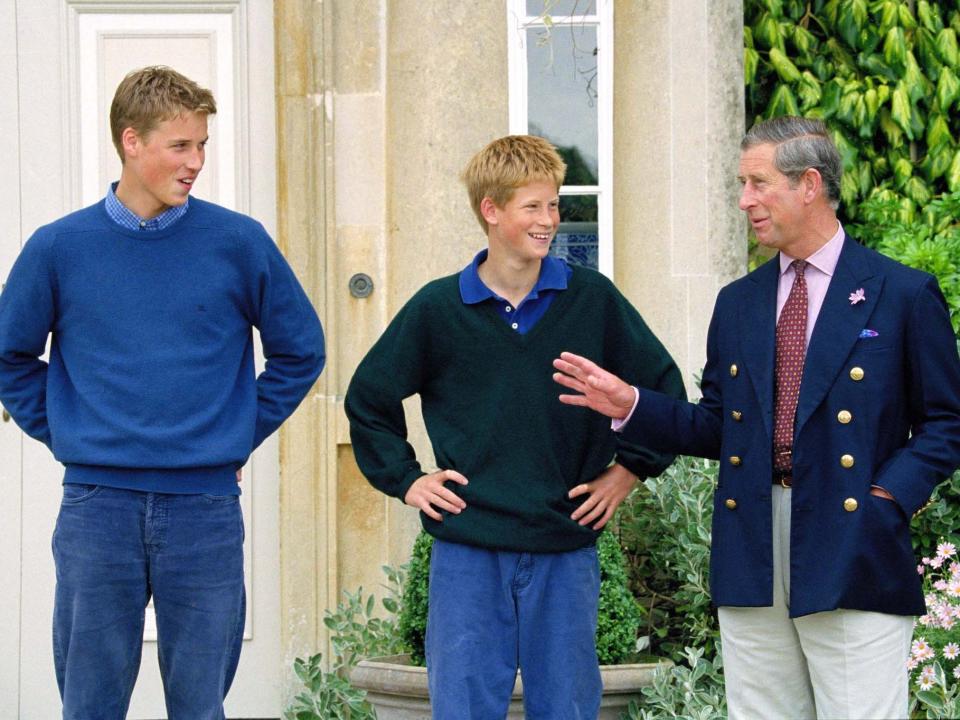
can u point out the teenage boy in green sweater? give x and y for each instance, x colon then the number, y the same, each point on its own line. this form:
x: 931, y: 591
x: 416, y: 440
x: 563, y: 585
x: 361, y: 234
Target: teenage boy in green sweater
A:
x: 525, y: 484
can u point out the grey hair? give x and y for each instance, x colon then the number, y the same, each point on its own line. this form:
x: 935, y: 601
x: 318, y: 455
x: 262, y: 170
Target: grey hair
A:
x: 801, y: 143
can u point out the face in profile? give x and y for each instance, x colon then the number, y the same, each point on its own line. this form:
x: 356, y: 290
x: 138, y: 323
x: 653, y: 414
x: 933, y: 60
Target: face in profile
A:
x: 162, y: 165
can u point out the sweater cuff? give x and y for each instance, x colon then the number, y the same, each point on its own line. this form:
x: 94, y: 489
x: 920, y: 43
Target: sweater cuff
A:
x: 409, y: 479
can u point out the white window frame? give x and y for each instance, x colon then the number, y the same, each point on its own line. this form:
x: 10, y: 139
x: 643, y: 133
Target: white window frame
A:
x: 518, y: 22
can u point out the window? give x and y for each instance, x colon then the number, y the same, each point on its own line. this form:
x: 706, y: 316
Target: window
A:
x: 561, y: 88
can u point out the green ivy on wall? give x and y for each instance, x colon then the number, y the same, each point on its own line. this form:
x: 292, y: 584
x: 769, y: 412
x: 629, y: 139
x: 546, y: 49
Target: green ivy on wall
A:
x: 883, y: 74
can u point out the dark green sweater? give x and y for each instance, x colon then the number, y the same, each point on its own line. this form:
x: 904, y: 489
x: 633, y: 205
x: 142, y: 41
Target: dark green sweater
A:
x: 492, y: 413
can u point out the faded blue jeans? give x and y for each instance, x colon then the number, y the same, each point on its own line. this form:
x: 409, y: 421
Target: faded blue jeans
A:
x: 113, y: 550
x: 492, y: 611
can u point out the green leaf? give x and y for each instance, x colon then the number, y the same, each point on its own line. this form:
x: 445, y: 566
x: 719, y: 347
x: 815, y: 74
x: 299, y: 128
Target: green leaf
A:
x: 937, y: 163
x: 832, y: 93
x: 902, y: 170
x: 926, y: 47
x: 751, y: 58
x: 946, y: 44
x: 803, y: 39
x: 782, y: 102
x: 841, y: 58
x: 767, y: 31
x: 948, y: 89
x: 929, y: 16
x: 953, y: 174
x: 900, y: 109
x: 928, y: 697
x: 889, y: 15
x: 782, y: 64
x: 917, y: 191
x: 874, y: 65
x: 848, y: 189
x: 895, y: 48
x: 808, y: 90
x: 906, y: 18
x: 871, y: 99
x: 848, y: 152
x: 865, y: 177
x: 852, y: 18
x: 938, y: 133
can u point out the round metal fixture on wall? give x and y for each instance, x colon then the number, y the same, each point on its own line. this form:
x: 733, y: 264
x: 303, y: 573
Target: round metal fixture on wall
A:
x: 361, y: 285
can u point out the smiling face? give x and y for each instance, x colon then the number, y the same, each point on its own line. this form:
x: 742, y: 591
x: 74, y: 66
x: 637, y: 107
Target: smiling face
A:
x: 774, y: 206
x: 160, y: 167
x: 524, y: 227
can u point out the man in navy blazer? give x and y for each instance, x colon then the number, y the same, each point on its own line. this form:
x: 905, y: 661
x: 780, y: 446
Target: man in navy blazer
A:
x: 812, y: 568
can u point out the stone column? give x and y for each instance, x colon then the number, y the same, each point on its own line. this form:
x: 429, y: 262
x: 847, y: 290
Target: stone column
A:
x: 304, y: 220
x: 678, y: 119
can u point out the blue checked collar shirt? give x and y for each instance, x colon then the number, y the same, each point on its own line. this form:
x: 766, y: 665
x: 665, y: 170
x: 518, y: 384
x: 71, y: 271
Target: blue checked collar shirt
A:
x: 126, y: 218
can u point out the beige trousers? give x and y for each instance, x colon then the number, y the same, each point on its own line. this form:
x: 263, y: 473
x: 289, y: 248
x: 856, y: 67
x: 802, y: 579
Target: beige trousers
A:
x: 839, y: 664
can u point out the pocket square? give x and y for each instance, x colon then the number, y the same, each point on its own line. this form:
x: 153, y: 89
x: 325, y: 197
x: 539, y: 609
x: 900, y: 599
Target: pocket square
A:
x: 868, y: 333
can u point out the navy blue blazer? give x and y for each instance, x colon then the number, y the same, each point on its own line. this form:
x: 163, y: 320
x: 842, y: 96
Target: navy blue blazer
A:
x: 879, y: 404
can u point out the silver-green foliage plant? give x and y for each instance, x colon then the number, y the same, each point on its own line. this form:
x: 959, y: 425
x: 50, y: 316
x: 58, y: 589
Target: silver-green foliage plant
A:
x: 691, y: 691
x: 664, y: 529
x: 355, y: 633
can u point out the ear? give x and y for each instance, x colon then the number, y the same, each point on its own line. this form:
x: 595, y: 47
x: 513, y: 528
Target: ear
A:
x: 130, y: 141
x: 488, y: 209
x: 812, y: 183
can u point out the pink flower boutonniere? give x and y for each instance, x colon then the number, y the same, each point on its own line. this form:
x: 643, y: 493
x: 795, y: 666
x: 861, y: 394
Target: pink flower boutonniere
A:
x: 857, y: 297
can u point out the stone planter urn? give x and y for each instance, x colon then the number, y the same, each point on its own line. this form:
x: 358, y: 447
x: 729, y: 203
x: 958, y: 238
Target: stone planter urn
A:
x: 398, y: 690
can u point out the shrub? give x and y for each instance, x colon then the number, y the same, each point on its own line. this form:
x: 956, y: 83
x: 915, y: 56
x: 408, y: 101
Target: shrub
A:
x: 693, y: 691
x: 355, y: 633
x: 618, y: 614
x: 664, y: 529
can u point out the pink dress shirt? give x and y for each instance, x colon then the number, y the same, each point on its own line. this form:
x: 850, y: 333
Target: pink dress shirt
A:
x: 820, y: 267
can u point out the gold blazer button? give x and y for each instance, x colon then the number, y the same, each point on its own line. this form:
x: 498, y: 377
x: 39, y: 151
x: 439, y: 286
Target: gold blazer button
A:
x: 856, y: 374
x: 730, y: 503
x: 846, y: 461
x: 850, y: 504
x: 734, y: 370
x: 736, y: 415
x: 735, y: 460
x: 844, y: 416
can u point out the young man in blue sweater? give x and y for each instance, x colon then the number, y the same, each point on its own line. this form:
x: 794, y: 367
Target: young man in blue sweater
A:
x: 525, y: 484
x: 151, y: 401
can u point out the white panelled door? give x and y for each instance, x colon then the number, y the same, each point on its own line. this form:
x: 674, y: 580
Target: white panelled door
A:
x: 60, y: 61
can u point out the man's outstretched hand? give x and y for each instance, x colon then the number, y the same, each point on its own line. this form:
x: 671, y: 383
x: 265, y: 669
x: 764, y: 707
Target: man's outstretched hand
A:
x: 599, y: 390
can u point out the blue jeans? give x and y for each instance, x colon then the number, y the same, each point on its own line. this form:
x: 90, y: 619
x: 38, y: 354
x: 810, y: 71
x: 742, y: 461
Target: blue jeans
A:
x: 115, y: 548
x: 492, y: 611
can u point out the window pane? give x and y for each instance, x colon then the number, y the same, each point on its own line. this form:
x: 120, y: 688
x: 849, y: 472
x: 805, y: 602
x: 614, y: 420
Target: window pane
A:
x: 536, y: 8
x: 562, y: 99
x: 577, y: 240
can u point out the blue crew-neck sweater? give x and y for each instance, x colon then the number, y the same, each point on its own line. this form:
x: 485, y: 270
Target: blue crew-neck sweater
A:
x: 150, y: 383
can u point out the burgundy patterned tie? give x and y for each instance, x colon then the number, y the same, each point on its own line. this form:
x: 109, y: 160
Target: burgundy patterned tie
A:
x: 791, y: 349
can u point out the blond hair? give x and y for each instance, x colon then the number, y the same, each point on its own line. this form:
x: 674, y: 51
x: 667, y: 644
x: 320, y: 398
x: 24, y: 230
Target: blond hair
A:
x: 150, y: 95
x: 509, y: 163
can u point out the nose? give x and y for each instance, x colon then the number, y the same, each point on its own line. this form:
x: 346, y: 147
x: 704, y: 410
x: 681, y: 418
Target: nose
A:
x: 746, y: 197
x: 549, y: 216
x: 195, y: 161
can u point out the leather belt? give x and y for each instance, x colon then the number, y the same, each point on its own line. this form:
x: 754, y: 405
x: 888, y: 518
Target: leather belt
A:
x: 783, y: 478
